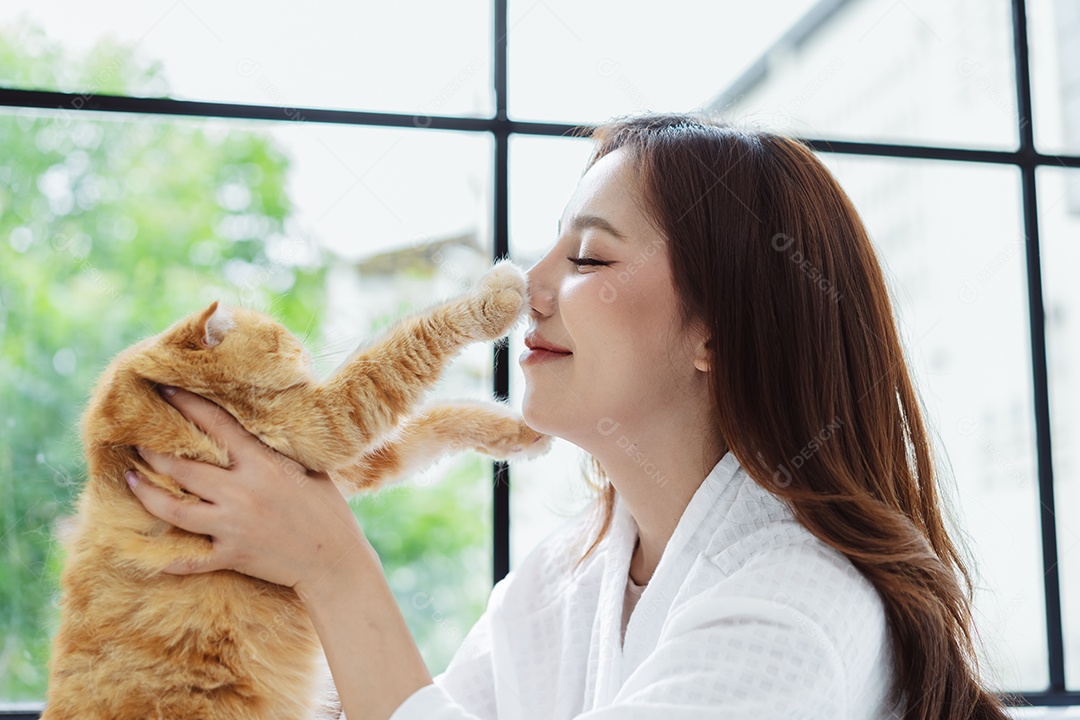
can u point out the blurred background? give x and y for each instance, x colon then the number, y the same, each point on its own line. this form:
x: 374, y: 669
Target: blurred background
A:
x: 113, y: 225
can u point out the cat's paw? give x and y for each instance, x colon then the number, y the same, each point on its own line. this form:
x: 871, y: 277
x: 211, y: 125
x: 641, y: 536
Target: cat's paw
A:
x: 499, y: 300
x: 514, y: 440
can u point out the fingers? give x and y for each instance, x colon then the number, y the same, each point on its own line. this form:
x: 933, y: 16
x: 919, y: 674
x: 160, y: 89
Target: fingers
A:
x: 211, y: 418
x: 201, y: 479
x: 243, y: 447
x: 191, y: 567
x: 191, y: 514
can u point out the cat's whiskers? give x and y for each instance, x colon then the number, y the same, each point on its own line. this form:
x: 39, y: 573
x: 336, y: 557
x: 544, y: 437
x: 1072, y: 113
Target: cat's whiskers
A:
x: 330, y: 348
x: 307, y: 330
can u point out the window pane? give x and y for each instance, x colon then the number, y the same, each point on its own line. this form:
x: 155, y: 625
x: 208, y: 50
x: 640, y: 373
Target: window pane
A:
x: 910, y: 72
x: 949, y: 236
x: 585, y: 62
x: 1059, y: 222
x: 1054, y: 42
x: 110, y: 231
x: 919, y: 71
x: 328, y: 53
x: 547, y: 490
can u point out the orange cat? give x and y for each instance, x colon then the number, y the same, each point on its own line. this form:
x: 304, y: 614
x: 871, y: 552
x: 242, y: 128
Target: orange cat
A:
x: 135, y: 643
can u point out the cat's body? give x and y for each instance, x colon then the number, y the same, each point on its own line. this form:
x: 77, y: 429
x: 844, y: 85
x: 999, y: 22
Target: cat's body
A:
x: 135, y: 643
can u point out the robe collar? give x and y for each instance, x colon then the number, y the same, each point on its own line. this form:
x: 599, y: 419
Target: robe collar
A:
x: 696, y: 527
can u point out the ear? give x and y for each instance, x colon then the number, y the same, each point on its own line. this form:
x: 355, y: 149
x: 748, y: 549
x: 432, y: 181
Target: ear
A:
x: 215, y: 322
x: 703, y: 356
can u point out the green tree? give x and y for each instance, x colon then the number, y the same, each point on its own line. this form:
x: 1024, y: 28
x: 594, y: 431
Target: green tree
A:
x: 110, y: 230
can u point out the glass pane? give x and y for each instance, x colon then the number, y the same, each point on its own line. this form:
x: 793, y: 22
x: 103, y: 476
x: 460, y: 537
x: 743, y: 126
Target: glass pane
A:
x: 1054, y: 42
x: 327, y: 53
x: 1059, y: 223
x: 584, y: 62
x: 911, y: 72
x: 545, y: 491
x: 950, y: 238
x: 109, y: 231
x: 917, y: 72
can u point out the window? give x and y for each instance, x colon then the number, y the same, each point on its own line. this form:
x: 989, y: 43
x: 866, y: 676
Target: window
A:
x: 157, y: 156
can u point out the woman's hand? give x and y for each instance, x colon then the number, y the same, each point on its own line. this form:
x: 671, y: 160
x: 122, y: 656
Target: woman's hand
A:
x: 267, y: 516
x: 271, y: 518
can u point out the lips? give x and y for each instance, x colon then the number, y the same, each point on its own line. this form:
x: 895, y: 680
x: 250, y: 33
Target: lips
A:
x: 535, y: 342
x: 539, y: 350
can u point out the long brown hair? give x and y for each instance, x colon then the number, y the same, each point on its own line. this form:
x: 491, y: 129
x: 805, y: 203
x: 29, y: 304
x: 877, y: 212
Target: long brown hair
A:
x: 812, y: 393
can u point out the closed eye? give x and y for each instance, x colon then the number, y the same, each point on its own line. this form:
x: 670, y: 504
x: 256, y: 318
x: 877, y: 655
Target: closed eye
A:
x: 584, y: 261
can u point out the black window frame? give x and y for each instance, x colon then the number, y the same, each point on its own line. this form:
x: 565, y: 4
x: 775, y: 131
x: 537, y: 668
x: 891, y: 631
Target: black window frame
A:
x: 1026, y: 158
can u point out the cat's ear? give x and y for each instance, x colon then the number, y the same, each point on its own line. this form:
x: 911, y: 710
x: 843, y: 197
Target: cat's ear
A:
x: 214, y: 323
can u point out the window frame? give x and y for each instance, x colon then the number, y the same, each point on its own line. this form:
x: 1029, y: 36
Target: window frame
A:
x: 1025, y: 158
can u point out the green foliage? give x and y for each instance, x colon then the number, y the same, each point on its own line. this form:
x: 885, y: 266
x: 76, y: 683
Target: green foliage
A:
x: 29, y: 60
x: 110, y: 231
x: 439, y: 567
x: 99, y: 223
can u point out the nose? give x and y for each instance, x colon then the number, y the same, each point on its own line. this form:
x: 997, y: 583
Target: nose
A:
x: 541, y: 292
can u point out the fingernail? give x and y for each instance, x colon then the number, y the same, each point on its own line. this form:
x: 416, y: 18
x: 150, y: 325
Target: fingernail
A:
x: 168, y: 390
x: 132, y: 478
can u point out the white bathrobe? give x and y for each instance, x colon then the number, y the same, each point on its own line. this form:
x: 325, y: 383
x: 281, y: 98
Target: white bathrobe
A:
x: 748, y: 616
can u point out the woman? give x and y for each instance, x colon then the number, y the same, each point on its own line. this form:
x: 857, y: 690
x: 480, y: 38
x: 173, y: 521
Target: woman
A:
x: 712, y: 326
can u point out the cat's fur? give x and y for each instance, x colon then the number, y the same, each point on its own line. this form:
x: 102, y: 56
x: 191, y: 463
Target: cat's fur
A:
x: 135, y: 643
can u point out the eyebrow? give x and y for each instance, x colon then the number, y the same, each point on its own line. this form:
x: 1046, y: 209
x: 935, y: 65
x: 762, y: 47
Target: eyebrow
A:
x: 583, y: 222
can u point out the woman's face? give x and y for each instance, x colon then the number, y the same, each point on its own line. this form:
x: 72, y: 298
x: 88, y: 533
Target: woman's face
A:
x: 606, y: 340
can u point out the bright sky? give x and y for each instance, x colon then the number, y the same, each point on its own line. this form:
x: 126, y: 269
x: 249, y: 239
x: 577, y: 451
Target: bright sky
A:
x: 363, y: 191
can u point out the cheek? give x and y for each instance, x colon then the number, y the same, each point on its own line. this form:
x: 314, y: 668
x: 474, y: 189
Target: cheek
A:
x: 621, y: 325
x: 581, y: 306
x: 598, y: 315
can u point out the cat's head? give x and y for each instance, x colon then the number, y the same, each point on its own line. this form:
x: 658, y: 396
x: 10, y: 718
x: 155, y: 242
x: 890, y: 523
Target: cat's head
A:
x: 222, y: 346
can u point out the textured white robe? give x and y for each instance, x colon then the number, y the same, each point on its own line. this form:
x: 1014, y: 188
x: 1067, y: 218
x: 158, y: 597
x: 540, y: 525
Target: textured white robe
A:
x: 748, y: 616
